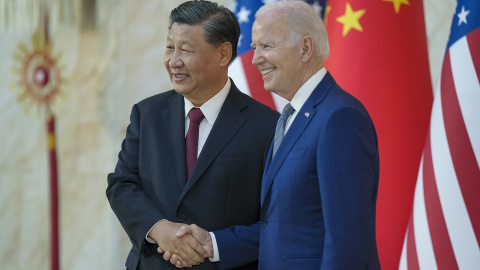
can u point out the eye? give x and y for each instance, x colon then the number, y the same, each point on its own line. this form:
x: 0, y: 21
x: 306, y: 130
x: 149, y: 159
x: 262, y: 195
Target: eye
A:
x: 186, y: 49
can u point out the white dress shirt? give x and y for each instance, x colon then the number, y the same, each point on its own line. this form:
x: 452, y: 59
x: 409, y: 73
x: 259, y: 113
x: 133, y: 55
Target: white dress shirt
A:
x: 210, y: 110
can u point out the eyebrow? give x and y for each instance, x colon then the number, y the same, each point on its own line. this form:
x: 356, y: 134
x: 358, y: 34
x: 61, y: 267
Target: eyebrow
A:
x: 182, y: 42
x: 266, y: 42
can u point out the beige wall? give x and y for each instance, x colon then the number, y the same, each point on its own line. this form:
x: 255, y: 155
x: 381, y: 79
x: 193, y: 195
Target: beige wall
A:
x: 106, y: 71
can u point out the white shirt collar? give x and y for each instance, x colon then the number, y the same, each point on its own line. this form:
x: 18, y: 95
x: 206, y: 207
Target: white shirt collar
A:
x: 306, y: 90
x: 212, y: 107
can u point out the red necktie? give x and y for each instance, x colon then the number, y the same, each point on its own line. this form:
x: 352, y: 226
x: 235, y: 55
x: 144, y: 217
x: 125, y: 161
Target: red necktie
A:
x: 191, y: 146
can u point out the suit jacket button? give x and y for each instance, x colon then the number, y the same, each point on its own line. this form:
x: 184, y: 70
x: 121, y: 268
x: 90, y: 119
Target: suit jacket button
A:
x: 265, y: 222
x: 180, y: 217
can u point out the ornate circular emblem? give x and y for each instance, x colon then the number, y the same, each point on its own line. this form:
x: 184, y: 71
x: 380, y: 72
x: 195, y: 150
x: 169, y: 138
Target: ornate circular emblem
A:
x: 41, y: 77
x: 38, y: 71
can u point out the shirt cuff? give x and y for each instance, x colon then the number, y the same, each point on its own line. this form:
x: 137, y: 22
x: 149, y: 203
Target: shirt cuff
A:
x: 150, y: 240
x: 216, y: 256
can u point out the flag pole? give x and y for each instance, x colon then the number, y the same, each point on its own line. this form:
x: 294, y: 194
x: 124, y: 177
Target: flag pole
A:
x: 52, y: 156
x: 54, y: 238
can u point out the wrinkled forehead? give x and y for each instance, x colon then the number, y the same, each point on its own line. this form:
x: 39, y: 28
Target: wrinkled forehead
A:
x: 270, y: 26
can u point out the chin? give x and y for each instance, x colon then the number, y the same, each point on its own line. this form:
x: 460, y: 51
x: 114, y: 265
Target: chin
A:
x: 179, y: 89
x: 268, y: 88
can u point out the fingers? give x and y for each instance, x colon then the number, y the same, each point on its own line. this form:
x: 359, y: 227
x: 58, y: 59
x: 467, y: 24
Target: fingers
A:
x: 183, y: 245
x: 167, y: 255
x: 197, y: 246
x: 179, y: 262
x: 190, y: 252
x: 185, y: 229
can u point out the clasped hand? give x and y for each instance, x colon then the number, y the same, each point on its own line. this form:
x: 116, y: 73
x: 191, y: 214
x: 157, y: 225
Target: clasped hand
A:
x: 182, y: 245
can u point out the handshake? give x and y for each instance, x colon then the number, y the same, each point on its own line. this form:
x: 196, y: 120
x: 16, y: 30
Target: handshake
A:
x: 181, y: 244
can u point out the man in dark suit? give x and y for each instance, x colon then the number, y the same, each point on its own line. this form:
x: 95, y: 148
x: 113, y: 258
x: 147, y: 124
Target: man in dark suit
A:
x: 320, y: 182
x: 158, y: 183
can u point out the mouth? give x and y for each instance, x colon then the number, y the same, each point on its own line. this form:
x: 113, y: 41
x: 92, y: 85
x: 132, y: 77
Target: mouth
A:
x: 178, y: 77
x: 266, y: 71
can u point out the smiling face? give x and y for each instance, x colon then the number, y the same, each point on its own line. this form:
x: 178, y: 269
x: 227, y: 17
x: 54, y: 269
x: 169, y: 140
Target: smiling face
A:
x: 275, y: 56
x: 196, y: 68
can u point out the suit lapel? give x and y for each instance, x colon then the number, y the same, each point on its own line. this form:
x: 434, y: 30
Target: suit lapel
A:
x: 228, y: 123
x: 266, y: 183
x: 292, y: 135
x: 175, y: 117
x: 303, y: 118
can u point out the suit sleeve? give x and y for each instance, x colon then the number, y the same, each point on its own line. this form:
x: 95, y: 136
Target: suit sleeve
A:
x: 347, y: 168
x: 135, y: 211
x: 238, y: 245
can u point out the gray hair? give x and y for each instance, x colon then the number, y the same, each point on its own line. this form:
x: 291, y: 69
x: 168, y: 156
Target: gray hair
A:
x: 219, y: 23
x: 303, y: 21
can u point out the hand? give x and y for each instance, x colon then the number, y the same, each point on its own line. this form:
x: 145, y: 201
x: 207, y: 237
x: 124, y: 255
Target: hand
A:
x: 189, y: 251
x: 200, y: 234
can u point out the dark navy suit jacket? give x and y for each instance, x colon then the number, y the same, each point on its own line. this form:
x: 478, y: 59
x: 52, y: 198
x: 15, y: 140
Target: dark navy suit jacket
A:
x: 150, y: 182
x: 318, y: 192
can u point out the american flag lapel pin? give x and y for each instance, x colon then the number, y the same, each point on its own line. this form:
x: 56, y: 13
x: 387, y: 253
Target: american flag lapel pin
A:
x: 307, y: 114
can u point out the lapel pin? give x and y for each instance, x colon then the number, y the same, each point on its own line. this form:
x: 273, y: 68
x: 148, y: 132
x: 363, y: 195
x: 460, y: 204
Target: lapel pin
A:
x: 307, y: 114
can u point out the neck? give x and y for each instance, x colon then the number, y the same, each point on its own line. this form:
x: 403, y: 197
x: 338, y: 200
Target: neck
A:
x: 311, y: 69
x: 206, y: 95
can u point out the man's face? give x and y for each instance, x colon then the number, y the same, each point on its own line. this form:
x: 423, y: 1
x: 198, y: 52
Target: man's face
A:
x: 192, y: 64
x: 275, y: 56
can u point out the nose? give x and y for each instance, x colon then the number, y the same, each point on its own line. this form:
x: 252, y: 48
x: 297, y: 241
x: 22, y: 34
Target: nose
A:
x: 175, y: 60
x: 257, y: 56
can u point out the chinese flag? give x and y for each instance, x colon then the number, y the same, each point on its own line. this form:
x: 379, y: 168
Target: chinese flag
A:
x: 379, y: 54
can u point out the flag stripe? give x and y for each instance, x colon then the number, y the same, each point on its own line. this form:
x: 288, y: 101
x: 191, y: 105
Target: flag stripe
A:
x: 412, y: 259
x: 453, y: 206
x: 473, y: 40
x: 425, y: 254
x: 467, y: 88
x: 463, y: 156
x: 442, y: 247
x: 236, y: 72
x: 469, y: 95
x: 255, y: 81
x: 403, y: 257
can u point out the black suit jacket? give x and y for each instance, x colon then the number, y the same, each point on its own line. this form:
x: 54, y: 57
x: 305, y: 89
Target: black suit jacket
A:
x: 149, y: 182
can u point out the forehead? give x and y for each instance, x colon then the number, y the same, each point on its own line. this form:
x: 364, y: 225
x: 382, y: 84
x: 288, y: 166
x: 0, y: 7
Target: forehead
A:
x: 185, y: 33
x: 270, y: 25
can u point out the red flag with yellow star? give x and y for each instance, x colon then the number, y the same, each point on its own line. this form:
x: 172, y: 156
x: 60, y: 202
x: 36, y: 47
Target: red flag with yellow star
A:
x: 379, y: 54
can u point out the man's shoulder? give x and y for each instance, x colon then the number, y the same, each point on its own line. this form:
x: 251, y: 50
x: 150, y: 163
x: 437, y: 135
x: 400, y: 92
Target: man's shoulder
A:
x: 256, y: 107
x: 260, y: 107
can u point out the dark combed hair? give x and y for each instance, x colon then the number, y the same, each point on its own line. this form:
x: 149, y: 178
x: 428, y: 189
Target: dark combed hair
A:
x: 219, y: 23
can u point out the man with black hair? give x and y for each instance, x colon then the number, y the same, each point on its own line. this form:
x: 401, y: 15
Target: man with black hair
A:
x: 158, y: 183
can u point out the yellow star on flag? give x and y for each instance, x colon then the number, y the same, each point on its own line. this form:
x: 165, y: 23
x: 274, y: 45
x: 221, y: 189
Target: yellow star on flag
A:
x: 350, y: 19
x: 397, y: 4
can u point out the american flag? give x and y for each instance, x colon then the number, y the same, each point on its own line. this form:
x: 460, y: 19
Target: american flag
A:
x: 444, y: 228
x: 244, y: 74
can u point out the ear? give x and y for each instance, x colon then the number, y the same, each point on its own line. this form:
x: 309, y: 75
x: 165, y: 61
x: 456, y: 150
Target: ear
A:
x: 307, y: 48
x: 225, y: 51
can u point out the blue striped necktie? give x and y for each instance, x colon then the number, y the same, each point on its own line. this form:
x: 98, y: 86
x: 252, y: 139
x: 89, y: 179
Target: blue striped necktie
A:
x: 279, y: 131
